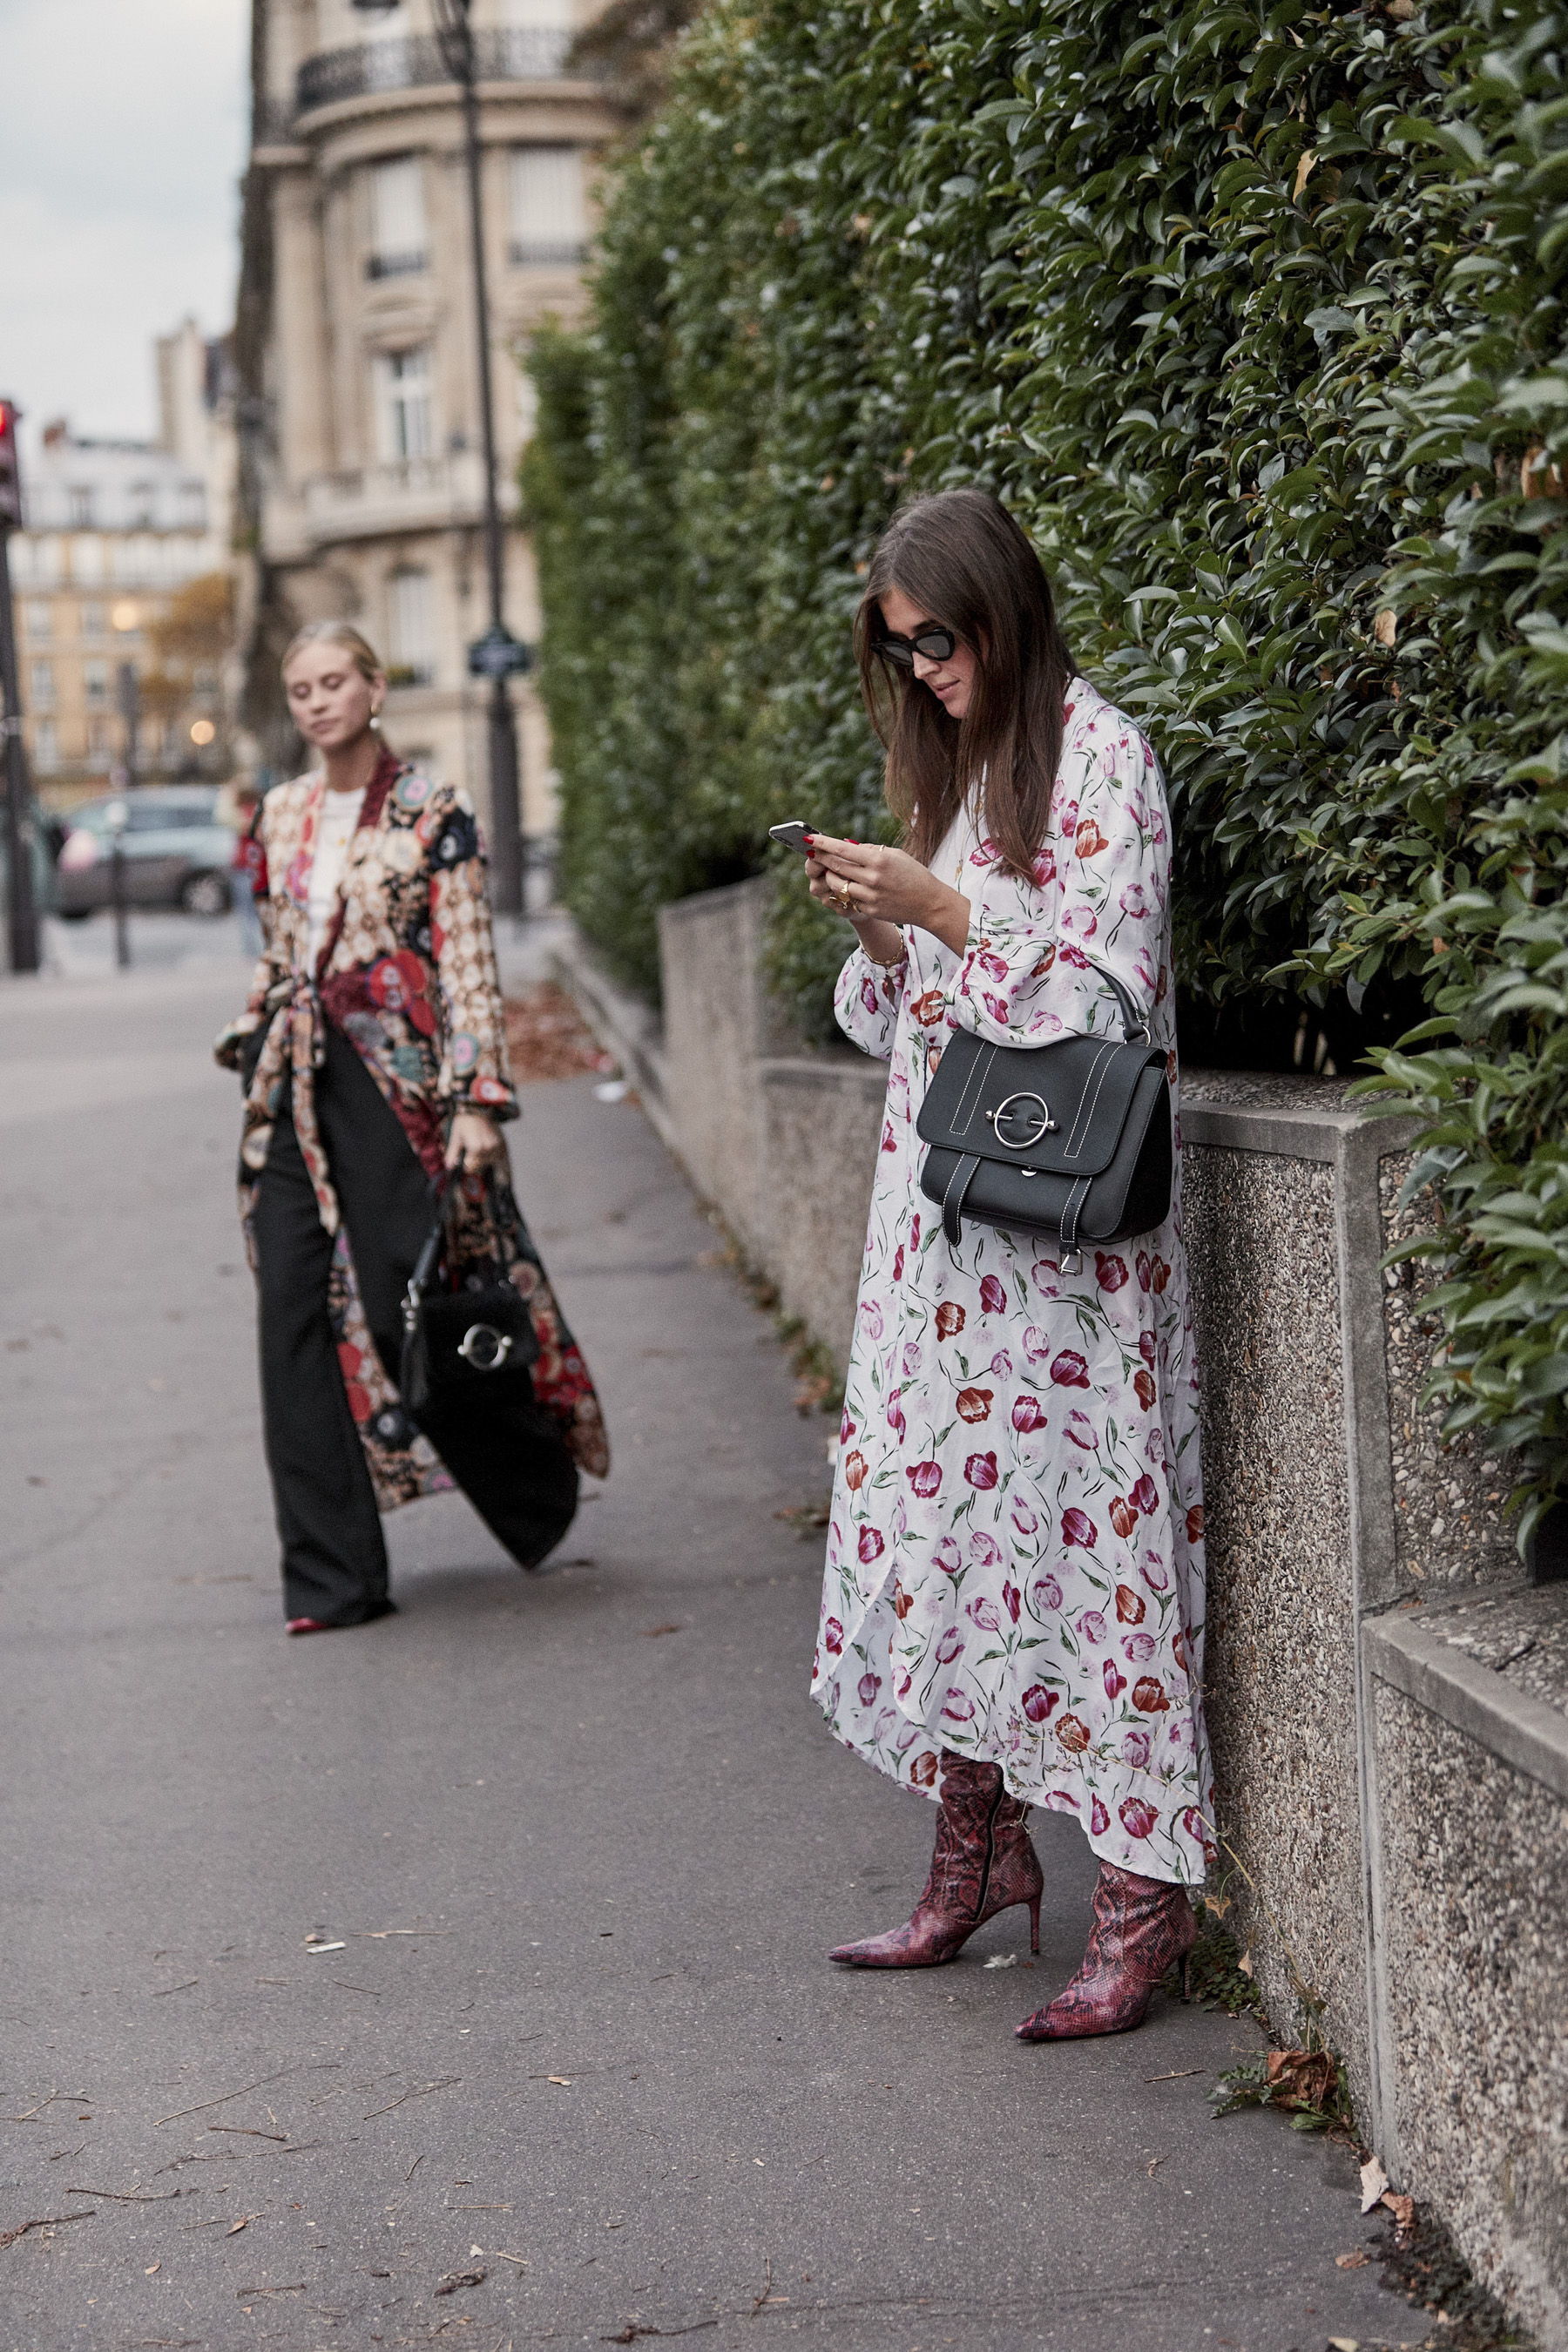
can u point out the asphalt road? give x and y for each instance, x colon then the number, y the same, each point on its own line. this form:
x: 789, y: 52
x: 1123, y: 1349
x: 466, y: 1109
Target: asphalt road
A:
x: 573, y: 1847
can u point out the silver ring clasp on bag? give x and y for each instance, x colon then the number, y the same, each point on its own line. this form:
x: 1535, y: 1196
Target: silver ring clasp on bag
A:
x: 484, y: 1347
x: 1044, y: 1125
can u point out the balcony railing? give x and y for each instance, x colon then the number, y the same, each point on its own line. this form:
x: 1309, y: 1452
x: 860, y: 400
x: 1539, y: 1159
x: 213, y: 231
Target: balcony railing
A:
x: 524, y: 250
x: 396, y: 265
x: 413, y: 61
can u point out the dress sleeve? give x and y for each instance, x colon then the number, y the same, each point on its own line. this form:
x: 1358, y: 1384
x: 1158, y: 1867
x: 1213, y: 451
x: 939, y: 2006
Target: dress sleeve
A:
x: 476, y: 1074
x: 866, y: 1002
x: 228, y: 1045
x: 1096, y: 896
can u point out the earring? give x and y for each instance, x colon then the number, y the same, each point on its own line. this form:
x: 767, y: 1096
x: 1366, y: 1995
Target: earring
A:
x: 375, y: 719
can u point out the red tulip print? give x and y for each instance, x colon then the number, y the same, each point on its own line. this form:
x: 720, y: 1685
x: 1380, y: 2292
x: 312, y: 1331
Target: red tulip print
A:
x: 869, y: 1685
x: 1098, y: 1819
x: 925, y: 1477
x: 1195, y: 1524
x: 889, y: 1141
x: 974, y: 1404
x: 922, y: 1771
x: 1091, y: 1627
x: 914, y: 1233
x: 1036, y: 1347
x: 991, y: 963
x: 984, y: 1549
x: 950, y: 1646
x: 1146, y: 1495
x: 958, y: 1706
x: 992, y: 1298
x: 1044, y: 869
x: 1137, y: 1817
x: 855, y: 1468
x: 1037, y: 1702
x: 1089, y: 841
x: 1069, y: 1371
x: 899, y: 1263
x: 1179, y: 1650
x: 1115, y: 1680
x: 1077, y: 1527
x: 1143, y: 1388
x: 1135, y: 1749
x: 996, y: 1005
x: 1082, y: 1431
x: 1013, y: 1599
x: 902, y: 1601
x: 845, y: 1429
x: 1110, y: 1271
x: 982, y: 1613
x: 1137, y: 1648
x: 950, y: 1320
x: 1073, y: 1733
x: 928, y: 1008
x: 1151, y: 1569
x: 1146, y: 1347
x: 1027, y: 1414
x: 1130, y: 1607
x: 1002, y: 1365
x: 896, y: 1416
x: 833, y: 1637
x: 980, y: 1471
x: 948, y: 1557
x: 1123, y: 1517
x: 871, y: 1545
x: 1145, y: 1268
x: 1149, y: 1696
x: 1160, y: 1276
x: 1046, y: 1593
x: 1022, y: 1519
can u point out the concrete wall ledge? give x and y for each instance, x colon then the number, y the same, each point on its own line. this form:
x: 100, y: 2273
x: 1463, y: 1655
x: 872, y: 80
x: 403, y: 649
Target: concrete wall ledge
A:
x: 623, y: 1025
x: 1418, y: 1653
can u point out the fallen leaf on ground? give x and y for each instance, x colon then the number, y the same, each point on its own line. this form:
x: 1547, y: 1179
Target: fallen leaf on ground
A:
x: 653, y: 1632
x: 1356, y: 2262
x: 547, y: 1036
x: 564, y: 2080
x: 150, y: 2268
x: 1402, y: 2208
x: 243, y: 2222
x: 1344, y: 2344
x: 1302, y: 2079
x: 50, y: 2222
x: 1245, y: 1964
x: 455, y: 2279
x: 1373, y: 2181
x: 1218, y: 1904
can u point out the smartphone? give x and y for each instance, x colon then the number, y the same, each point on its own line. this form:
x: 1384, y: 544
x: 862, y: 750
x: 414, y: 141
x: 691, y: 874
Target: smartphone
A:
x: 793, y: 836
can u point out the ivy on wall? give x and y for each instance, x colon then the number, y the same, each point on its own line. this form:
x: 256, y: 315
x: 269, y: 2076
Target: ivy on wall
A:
x: 1255, y: 316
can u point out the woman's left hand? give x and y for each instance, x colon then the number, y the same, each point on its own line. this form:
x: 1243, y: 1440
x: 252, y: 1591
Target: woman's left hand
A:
x: 475, y: 1141
x: 870, y: 883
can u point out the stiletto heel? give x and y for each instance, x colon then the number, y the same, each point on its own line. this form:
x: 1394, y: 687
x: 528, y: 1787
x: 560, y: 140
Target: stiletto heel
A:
x: 984, y: 1862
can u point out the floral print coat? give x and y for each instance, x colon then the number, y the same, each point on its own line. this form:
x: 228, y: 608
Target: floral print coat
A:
x: 1014, y: 1559
x: 408, y: 974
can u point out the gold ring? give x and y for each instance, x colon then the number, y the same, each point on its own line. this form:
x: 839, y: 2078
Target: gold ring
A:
x: 844, y: 892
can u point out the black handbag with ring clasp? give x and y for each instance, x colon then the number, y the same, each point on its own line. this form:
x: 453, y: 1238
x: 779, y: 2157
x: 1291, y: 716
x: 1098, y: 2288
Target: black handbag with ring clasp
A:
x: 1071, y: 1140
x: 460, y: 1336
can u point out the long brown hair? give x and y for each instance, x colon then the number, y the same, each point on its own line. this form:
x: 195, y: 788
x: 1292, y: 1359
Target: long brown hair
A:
x: 960, y: 556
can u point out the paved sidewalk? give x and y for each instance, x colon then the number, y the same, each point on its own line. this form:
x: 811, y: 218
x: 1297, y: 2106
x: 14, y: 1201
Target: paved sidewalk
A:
x: 580, y: 1840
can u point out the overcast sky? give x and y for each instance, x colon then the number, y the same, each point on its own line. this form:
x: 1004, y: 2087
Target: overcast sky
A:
x: 122, y: 130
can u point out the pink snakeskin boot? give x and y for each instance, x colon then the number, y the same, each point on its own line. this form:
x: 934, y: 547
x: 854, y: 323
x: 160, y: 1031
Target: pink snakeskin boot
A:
x: 1141, y: 1927
x: 984, y: 1862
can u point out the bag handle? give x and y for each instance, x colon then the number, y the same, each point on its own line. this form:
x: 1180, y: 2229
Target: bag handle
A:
x: 1134, y: 1025
x: 425, y: 1264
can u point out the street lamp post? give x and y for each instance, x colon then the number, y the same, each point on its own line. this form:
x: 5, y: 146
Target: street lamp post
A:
x: 21, y: 911
x: 118, y: 812
x: 498, y: 655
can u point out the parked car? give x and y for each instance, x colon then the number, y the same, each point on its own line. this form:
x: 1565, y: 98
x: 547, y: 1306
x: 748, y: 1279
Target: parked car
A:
x: 177, y: 853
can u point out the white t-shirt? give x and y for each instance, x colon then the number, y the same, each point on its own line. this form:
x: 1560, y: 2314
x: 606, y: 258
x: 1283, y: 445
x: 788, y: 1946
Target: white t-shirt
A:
x: 339, y: 819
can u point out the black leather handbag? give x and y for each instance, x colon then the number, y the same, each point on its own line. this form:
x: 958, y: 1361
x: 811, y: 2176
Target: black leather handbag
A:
x: 460, y: 1335
x: 1071, y: 1138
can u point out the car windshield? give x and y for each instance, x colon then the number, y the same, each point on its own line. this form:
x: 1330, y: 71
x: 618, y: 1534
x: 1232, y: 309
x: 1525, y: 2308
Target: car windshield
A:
x: 148, y: 812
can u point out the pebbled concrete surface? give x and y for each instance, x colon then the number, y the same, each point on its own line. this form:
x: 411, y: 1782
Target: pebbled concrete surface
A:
x: 586, y: 1826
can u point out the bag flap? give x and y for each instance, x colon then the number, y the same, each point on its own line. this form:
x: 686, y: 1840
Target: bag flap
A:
x: 1058, y: 1107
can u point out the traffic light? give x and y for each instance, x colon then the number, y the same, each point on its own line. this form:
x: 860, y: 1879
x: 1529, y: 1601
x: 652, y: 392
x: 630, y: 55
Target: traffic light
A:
x: 10, y: 467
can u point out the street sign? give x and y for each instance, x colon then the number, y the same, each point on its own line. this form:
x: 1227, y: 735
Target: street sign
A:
x: 497, y: 654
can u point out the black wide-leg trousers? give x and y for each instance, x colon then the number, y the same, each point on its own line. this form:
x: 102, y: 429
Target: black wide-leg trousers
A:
x: 505, y: 1455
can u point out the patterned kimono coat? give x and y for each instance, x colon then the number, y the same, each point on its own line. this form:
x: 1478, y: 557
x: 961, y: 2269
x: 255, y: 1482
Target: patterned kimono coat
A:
x: 408, y: 975
x: 1014, y: 1559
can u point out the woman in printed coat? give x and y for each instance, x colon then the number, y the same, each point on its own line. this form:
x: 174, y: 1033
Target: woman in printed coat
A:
x: 1012, y: 1610
x: 374, y: 1056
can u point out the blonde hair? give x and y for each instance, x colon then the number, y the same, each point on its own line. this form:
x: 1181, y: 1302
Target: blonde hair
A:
x: 361, y: 652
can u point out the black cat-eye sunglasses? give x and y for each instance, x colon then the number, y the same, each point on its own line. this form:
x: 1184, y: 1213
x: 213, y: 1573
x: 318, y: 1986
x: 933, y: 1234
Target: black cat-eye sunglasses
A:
x: 934, y: 644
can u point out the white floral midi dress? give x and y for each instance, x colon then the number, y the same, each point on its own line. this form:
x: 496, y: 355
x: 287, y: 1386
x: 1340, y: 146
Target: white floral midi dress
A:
x: 1014, y: 1559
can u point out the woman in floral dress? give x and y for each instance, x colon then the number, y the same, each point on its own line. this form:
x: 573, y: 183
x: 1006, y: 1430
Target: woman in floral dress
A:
x: 1012, y: 1608
x: 374, y: 1052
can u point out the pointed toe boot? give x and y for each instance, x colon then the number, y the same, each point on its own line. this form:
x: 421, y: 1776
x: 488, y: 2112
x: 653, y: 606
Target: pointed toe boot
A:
x: 1141, y: 1927
x: 984, y: 1862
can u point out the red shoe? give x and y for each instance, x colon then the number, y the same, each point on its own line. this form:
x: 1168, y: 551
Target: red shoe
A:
x: 1141, y: 1927
x: 984, y: 1862
x: 308, y: 1625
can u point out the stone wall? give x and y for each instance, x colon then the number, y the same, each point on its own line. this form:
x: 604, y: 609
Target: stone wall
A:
x: 1405, y: 1824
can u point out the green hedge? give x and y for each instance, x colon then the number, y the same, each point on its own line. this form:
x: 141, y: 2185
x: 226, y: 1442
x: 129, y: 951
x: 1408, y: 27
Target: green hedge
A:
x: 1255, y: 315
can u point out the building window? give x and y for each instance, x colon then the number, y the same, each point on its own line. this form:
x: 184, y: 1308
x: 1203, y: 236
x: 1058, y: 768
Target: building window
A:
x: 43, y: 685
x: 92, y: 622
x: 404, y: 386
x: 398, y: 238
x: 141, y: 501
x: 87, y: 560
x: 95, y: 680
x: 548, y: 220
x: 192, y: 506
x: 79, y: 502
x: 413, y: 631
x: 536, y: 35
x: 46, y: 745
x: 97, y: 740
x: 37, y: 620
